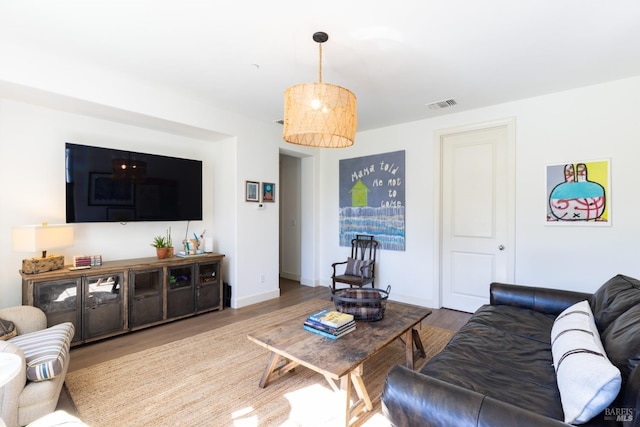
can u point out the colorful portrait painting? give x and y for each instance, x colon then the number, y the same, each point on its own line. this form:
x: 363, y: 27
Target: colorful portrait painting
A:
x: 578, y: 193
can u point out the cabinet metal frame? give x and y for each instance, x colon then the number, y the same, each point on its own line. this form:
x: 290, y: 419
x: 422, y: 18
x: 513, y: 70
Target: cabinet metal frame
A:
x: 31, y: 284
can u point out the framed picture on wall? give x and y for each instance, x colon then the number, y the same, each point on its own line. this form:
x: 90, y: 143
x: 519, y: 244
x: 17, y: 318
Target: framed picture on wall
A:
x: 268, y: 192
x: 579, y: 193
x: 252, y: 191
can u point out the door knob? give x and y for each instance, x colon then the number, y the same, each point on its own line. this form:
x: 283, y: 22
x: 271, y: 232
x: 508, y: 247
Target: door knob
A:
x: 501, y: 247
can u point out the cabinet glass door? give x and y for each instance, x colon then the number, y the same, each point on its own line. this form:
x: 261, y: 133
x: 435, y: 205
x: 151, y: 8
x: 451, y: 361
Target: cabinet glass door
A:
x: 60, y: 301
x: 103, y: 307
x: 145, y: 287
x: 208, y: 291
x: 180, y: 295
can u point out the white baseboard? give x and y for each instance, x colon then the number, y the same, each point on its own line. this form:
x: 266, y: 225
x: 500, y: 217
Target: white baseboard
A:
x: 290, y: 276
x: 310, y: 282
x: 408, y: 299
x: 253, y: 299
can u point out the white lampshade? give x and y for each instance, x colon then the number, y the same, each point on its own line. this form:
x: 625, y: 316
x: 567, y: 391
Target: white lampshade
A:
x: 35, y: 238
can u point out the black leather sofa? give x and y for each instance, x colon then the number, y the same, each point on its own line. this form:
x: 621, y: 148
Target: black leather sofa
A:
x: 498, y: 368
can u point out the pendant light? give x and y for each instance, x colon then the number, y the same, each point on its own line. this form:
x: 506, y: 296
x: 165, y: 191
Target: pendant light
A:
x: 319, y: 114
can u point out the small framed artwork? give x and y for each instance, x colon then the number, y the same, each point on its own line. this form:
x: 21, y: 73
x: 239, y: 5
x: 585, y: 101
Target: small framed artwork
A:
x: 252, y: 191
x: 579, y: 193
x: 268, y: 192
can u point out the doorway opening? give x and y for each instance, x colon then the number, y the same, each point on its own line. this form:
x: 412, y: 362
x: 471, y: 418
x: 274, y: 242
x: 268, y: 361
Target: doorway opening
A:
x: 290, y: 218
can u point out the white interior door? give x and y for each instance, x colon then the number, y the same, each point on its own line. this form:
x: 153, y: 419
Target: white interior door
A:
x: 476, y: 214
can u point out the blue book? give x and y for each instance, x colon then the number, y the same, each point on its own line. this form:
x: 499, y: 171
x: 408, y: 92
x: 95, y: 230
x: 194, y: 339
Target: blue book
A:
x: 326, y: 334
x: 329, y: 329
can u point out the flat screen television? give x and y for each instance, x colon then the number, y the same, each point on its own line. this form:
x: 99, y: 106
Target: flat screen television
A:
x: 109, y: 185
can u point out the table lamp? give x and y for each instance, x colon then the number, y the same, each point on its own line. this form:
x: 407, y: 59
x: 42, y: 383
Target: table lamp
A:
x: 34, y: 238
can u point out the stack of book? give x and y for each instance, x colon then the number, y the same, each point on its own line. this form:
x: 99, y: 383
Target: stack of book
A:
x: 87, y: 260
x: 330, y: 324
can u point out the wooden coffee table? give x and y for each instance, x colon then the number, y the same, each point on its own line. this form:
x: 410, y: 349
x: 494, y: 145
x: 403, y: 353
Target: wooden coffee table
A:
x: 340, y: 361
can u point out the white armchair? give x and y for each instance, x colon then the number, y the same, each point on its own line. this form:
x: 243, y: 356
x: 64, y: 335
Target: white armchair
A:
x: 23, y: 400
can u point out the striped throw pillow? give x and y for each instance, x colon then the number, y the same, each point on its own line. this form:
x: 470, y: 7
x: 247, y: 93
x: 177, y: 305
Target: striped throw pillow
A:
x: 354, y: 266
x: 46, y: 351
x: 588, y: 382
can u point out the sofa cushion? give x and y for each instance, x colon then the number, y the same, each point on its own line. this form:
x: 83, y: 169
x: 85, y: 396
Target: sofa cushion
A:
x: 46, y: 351
x: 7, y: 330
x: 616, y: 296
x: 587, y: 380
x: 354, y: 265
x: 621, y: 341
x: 501, y: 353
x: 526, y: 323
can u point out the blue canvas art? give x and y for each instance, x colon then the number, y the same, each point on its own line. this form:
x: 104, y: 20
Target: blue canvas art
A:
x: 372, y: 199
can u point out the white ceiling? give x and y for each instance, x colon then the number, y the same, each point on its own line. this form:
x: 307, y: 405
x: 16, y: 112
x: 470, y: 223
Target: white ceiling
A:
x: 396, y: 56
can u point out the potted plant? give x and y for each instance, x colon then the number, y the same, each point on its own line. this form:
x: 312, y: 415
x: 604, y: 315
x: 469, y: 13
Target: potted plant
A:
x: 163, y: 245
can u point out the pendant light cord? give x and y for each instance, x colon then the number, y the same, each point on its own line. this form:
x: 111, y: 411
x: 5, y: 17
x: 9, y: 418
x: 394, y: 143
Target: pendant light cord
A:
x: 320, y: 63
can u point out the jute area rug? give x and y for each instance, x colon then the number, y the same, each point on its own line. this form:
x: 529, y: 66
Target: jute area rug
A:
x: 211, y: 379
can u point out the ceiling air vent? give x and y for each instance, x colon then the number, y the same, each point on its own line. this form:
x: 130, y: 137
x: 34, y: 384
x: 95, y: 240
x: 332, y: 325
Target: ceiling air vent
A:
x: 442, y: 104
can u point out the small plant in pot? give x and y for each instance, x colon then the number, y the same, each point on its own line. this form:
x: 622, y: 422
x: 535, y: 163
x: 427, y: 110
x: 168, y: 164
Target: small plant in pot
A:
x: 163, y: 245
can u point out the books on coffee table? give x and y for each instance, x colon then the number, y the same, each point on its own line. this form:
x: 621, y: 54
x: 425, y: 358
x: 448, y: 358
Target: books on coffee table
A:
x: 327, y: 334
x: 324, y: 323
x: 331, y: 318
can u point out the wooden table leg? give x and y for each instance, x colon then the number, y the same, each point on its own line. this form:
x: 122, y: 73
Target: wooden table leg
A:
x: 364, y: 401
x: 345, y: 385
x: 273, y: 368
x: 408, y: 342
x: 418, y: 342
x: 268, y: 370
x: 412, y: 337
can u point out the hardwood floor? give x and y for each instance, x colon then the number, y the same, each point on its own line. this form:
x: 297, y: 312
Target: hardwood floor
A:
x: 88, y: 354
x: 291, y: 293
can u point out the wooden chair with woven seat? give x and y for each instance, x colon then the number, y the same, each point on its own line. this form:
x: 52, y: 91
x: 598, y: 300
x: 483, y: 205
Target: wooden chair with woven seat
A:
x: 360, y: 266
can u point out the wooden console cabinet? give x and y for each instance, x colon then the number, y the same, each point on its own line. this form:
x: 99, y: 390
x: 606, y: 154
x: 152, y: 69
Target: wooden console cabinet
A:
x: 125, y: 295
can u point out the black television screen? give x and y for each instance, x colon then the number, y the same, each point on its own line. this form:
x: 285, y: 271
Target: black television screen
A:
x: 108, y: 185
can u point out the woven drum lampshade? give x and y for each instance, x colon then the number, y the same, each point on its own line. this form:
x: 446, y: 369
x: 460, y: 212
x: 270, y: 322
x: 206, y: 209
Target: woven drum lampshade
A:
x: 320, y: 114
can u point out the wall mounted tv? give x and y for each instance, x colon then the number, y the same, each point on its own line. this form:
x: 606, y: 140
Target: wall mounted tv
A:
x: 107, y: 185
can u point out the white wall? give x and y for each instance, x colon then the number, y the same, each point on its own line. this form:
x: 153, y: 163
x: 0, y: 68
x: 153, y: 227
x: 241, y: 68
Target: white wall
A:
x: 32, y: 141
x: 257, y: 230
x: 588, y: 123
x: 248, y: 151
